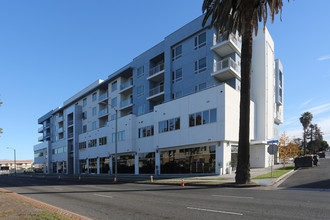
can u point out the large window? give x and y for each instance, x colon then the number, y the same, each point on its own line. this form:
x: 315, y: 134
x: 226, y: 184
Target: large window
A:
x: 39, y: 154
x: 200, y: 40
x: 94, y: 96
x: 140, y: 109
x: 146, y: 163
x: 82, y: 145
x: 169, y: 125
x: 200, y: 65
x: 190, y: 160
x: 92, y: 165
x: 104, y: 165
x: 114, y: 102
x: 177, y: 75
x: 83, y: 166
x: 94, y: 111
x: 94, y: 125
x: 120, y: 136
x: 92, y: 143
x: 103, y: 140
x: 176, y: 52
x: 54, y: 167
x: 200, y: 87
x: 125, y: 163
x: 201, y: 118
x: 84, y: 102
x: 146, y: 131
x: 140, y: 71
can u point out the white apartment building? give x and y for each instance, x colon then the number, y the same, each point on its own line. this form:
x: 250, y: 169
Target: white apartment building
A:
x: 178, y: 110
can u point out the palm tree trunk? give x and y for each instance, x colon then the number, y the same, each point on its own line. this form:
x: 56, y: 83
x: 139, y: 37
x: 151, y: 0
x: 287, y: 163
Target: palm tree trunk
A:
x: 243, y: 157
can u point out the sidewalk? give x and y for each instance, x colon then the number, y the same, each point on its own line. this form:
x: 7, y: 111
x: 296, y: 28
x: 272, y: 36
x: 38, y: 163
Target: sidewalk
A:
x: 175, y: 179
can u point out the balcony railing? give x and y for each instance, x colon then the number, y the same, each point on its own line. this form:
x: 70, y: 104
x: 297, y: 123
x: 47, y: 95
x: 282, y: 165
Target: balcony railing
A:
x: 40, y: 130
x: 126, y: 84
x: 41, y: 138
x: 156, y: 90
x: 70, y: 122
x: 103, y: 96
x: 156, y: 69
x: 126, y: 102
x: 60, y: 119
x: 70, y: 135
x: 226, y: 63
x: 60, y: 130
x: 103, y: 112
x: 224, y: 38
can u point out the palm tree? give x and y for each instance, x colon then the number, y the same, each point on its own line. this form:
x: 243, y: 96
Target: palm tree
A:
x: 241, y: 16
x: 305, y: 120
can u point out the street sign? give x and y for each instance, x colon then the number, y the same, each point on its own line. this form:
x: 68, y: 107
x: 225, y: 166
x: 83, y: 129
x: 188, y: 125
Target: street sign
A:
x: 272, y: 142
x: 272, y: 149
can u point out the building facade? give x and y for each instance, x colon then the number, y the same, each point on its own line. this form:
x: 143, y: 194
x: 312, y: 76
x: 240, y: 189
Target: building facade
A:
x: 178, y: 110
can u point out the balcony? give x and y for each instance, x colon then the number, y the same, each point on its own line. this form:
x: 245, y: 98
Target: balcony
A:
x: 278, y: 119
x: 60, y: 130
x: 60, y: 119
x: 157, y: 93
x: 41, y: 138
x: 103, y: 97
x: 70, y: 123
x: 41, y: 129
x: 70, y: 135
x: 227, y: 46
x: 103, y: 112
x: 126, y: 87
x: 126, y: 103
x: 226, y: 69
x: 156, y: 74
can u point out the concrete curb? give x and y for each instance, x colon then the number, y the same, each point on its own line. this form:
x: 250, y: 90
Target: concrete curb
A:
x: 282, y: 178
x: 46, y: 206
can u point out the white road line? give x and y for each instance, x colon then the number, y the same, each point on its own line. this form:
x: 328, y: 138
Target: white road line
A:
x: 103, y: 196
x: 237, y: 197
x: 217, y: 211
x: 57, y: 188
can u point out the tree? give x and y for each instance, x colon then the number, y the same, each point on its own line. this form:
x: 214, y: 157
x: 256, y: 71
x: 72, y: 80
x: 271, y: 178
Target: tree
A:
x: 316, y: 137
x: 324, y: 145
x: 305, y: 120
x: 243, y: 17
x: 287, y: 148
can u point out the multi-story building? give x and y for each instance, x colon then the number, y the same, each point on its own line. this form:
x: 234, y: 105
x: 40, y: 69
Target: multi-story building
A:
x: 177, y: 106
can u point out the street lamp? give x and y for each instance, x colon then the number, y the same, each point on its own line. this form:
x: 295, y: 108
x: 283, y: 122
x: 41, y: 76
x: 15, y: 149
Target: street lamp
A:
x: 116, y: 142
x: 14, y: 157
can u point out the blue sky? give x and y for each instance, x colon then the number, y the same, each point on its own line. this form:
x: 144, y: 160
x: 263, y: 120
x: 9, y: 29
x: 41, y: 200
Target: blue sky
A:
x: 50, y: 50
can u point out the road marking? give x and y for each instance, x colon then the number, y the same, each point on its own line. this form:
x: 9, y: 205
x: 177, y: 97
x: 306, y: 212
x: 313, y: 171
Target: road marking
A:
x: 237, y: 197
x: 217, y: 211
x: 58, y: 188
x: 103, y: 196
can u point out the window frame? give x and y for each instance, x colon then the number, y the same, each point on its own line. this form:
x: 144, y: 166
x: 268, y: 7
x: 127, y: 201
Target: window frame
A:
x: 199, y: 44
x: 197, y: 66
x: 176, y: 56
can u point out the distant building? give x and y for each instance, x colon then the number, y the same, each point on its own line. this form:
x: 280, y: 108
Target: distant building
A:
x: 20, y: 165
x: 178, y: 110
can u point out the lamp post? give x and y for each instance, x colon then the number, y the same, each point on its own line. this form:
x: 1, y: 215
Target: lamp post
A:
x: 116, y: 142
x: 14, y: 157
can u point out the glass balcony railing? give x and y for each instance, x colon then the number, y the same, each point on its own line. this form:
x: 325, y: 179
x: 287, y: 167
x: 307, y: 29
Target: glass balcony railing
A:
x: 70, y: 122
x: 156, y: 69
x: 41, y: 138
x: 103, y: 96
x: 156, y: 90
x: 126, y: 102
x: 60, y: 119
x: 60, y: 130
x: 103, y: 112
x: 226, y: 63
x: 126, y: 84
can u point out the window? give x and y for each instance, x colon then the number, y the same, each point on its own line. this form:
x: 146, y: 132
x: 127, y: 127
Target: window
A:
x: 169, y: 125
x: 113, y: 117
x: 140, y: 91
x: 140, y: 71
x: 92, y: 143
x: 146, y: 131
x: 114, y: 86
x: 94, y: 125
x: 140, y: 109
x: 94, y: 96
x: 177, y: 75
x: 103, y: 141
x: 84, y: 130
x: 94, y: 111
x: 200, y: 65
x: 177, y: 94
x: 200, y: 40
x: 84, y: 102
x: 205, y: 117
x: 114, y: 102
x: 120, y: 136
x: 200, y: 87
x: 84, y: 115
x: 176, y: 52
x: 82, y: 145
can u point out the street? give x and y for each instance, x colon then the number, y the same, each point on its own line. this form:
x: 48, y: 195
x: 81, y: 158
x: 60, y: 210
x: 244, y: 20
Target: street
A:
x: 147, y: 201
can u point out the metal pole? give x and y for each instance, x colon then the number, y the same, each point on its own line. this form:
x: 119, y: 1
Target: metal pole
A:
x: 116, y: 139
x: 15, y: 160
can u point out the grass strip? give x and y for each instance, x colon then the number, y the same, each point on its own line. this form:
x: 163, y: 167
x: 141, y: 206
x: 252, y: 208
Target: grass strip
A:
x: 276, y: 173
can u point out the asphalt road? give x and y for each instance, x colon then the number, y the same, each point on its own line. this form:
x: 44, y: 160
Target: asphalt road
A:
x: 143, y: 201
x: 317, y: 177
